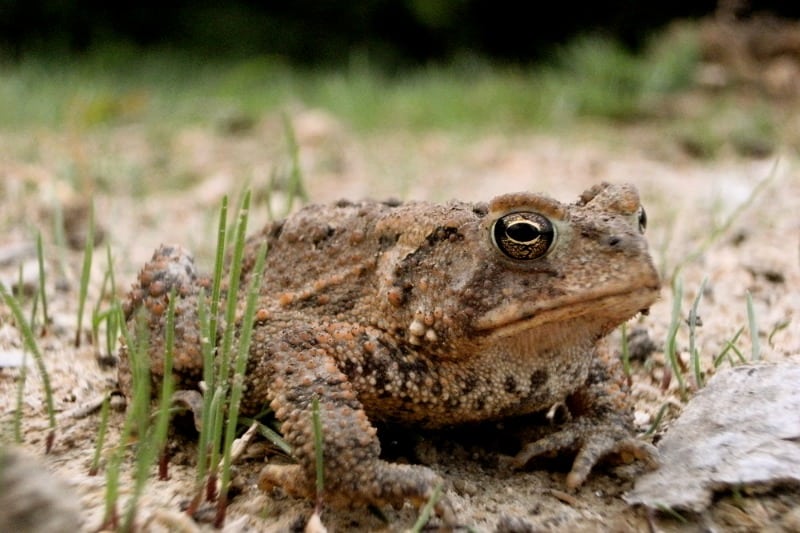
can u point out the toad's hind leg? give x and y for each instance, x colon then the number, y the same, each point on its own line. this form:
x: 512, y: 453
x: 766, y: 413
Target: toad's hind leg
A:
x: 298, y: 369
x: 171, y: 268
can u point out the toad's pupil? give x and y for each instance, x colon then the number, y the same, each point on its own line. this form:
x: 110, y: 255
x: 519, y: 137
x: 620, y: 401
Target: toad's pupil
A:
x: 523, y: 231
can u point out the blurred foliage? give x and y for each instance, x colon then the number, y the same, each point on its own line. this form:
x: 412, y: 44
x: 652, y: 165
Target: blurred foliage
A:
x: 592, y: 77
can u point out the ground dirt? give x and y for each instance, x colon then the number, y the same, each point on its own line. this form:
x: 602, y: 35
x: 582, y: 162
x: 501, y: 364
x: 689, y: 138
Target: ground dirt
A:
x: 131, y: 173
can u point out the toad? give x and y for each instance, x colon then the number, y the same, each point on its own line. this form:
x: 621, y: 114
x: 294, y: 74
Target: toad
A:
x: 428, y: 316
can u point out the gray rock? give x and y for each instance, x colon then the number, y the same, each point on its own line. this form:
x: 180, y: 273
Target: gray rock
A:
x: 742, y: 431
x: 33, y: 499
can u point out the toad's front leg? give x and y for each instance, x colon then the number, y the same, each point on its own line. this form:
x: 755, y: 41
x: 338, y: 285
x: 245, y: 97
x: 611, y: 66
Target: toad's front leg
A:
x: 298, y: 368
x: 601, y: 424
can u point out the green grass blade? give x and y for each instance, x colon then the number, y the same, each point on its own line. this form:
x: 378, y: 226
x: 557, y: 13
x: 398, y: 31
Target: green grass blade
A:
x: 101, y: 436
x: 693, y: 324
x: 216, y: 418
x: 657, y: 421
x: 167, y: 385
x: 97, y: 315
x: 755, y: 343
x: 780, y: 326
x: 34, y: 309
x: 85, y: 273
x: 208, y: 378
x: 42, y: 279
x: 425, y: 516
x: 112, y: 322
x: 110, y: 517
x: 59, y: 237
x: 29, y: 342
x: 739, y: 355
x: 669, y: 511
x: 625, y: 356
x: 219, y: 261
x: 270, y: 434
x: 110, y: 270
x: 295, y: 187
x: 23, y: 377
x: 112, y: 332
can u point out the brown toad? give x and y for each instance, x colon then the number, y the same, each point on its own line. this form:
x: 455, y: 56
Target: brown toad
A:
x: 430, y: 316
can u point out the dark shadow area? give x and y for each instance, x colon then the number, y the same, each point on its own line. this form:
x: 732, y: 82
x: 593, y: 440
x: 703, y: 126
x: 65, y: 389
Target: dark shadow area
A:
x: 388, y: 32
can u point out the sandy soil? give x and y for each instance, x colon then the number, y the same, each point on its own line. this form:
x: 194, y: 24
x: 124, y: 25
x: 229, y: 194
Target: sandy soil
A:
x: 126, y: 167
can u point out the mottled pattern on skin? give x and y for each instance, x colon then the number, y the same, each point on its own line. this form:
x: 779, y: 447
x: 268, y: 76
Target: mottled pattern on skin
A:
x: 411, y: 313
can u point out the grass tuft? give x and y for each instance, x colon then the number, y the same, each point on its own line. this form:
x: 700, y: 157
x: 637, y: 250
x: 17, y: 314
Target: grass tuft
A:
x: 208, y: 318
x: 671, y: 347
x: 140, y: 415
x: 222, y: 380
x: 138, y: 404
x: 240, y: 365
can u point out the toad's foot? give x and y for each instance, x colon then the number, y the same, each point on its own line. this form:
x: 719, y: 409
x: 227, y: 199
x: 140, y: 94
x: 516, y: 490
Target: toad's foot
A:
x: 373, y: 482
x: 594, y: 440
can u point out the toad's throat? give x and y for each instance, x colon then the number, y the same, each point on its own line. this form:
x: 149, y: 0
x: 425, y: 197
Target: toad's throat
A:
x: 607, y: 308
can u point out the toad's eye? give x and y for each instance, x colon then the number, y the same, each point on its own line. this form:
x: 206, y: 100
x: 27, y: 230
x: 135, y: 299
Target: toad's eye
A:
x: 642, y: 220
x: 523, y: 236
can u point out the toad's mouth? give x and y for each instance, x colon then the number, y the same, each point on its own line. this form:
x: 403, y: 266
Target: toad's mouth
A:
x: 607, y: 307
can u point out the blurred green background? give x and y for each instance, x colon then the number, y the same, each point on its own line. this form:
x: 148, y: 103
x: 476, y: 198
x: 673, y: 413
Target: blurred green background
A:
x: 710, y: 74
